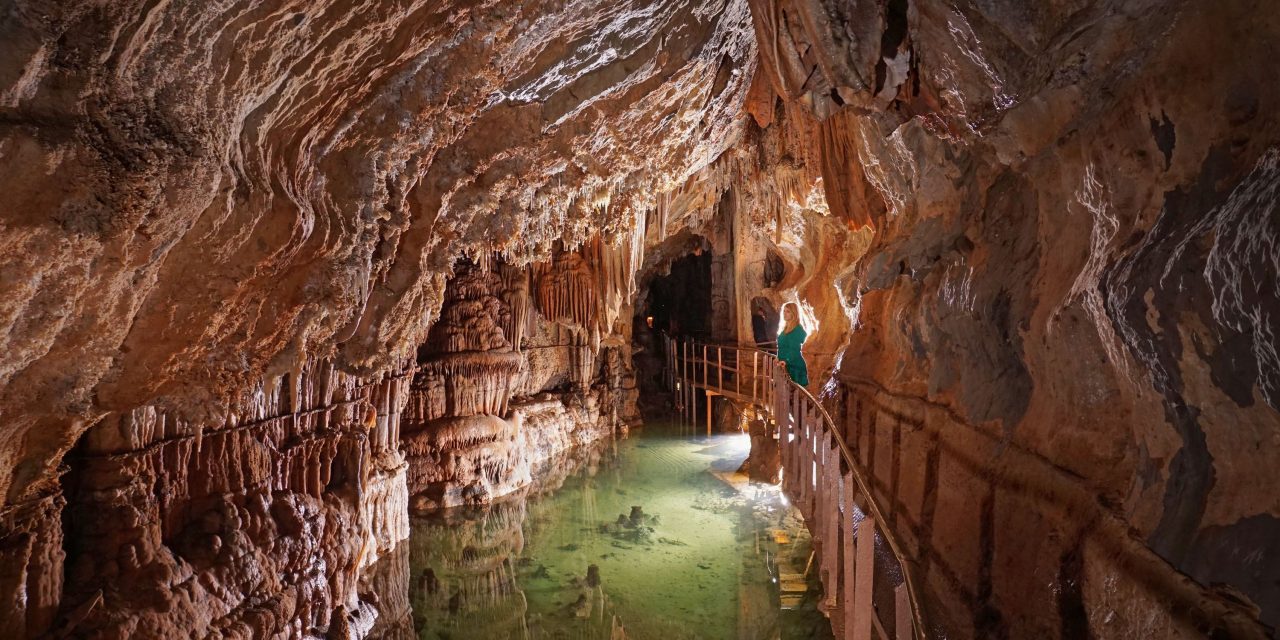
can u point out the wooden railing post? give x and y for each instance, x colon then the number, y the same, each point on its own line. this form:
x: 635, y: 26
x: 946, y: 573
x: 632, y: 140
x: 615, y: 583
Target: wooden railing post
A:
x: 707, y: 399
x: 818, y: 493
x: 689, y: 398
x: 902, y: 627
x: 675, y: 373
x: 864, y: 575
x: 684, y: 377
x: 794, y: 428
x: 737, y: 371
x: 848, y: 548
x: 779, y: 406
x: 818, y: 527
x: 719, y: 367
x: 815, y: 444
x: 678, y: 346
x: 755, y: 374
x: 784, y: 429
x: 831, y: 523
x: 805, y: 457
x: 666, y: 356
x: 800, y: 459
x: 766, y: 380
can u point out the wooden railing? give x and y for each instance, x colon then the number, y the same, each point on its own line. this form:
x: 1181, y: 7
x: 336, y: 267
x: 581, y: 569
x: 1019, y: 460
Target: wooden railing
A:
x: 699, y: 369
x: 866, y: 579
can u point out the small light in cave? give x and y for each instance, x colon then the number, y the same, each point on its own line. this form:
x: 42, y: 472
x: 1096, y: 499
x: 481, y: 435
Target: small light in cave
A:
x: 649, y: 321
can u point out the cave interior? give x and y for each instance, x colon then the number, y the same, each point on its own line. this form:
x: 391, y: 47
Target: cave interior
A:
x: 279, y: 281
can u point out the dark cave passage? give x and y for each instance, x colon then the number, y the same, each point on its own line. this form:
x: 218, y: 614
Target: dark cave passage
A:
x: 283, y: 288
x: 680, y: 301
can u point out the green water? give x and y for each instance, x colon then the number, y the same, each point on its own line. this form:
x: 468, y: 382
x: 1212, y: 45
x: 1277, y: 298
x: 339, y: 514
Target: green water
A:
x: 697, y: 561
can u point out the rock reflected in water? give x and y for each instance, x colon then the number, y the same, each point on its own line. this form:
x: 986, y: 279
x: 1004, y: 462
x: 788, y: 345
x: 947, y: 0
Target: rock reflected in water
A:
x: 623, y: 539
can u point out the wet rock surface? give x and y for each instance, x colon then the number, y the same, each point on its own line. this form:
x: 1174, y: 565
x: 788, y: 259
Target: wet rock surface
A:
x: 273, y: 275
x: 636, y: 528
x: 1056, y: 375
x: 206, y: 201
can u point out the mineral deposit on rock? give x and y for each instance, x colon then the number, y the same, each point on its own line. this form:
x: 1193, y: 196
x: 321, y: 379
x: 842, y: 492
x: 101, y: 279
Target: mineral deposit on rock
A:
x: 275, y: 275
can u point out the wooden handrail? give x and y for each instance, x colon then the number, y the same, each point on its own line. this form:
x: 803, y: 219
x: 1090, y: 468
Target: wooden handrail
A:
x: 859, y: 476
x: 779, y: 405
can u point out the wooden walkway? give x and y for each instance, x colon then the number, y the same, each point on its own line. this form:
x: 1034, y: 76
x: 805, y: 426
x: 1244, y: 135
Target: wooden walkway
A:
x: 868, y: 587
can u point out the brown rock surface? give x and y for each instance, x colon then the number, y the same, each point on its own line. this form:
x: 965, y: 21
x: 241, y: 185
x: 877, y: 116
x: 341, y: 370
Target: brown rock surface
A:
x: 202, y: 201
x: 238, y: 240
x: 1063, y: 369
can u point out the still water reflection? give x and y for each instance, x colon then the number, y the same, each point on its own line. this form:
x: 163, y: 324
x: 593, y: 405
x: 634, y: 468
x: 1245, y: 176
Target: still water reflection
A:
x: 635, y: 538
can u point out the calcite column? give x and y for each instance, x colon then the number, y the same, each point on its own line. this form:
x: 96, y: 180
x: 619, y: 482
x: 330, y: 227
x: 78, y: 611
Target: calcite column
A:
x: 724, y: 250
x: 31, y: 565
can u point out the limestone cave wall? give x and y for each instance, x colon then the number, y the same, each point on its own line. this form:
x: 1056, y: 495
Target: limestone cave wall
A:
x: 259, y: 527
x: 273, y: 274
x: 524, y: 363
x: 226, y: 231
x: 1062, y: 372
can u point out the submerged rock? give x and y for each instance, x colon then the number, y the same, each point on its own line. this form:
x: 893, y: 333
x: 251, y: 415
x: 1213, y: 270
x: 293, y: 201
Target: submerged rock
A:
x: 581, y: 608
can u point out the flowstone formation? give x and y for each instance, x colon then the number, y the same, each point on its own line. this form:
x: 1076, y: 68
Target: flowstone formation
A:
x: 212, y: 212
x: 459, y: 446
x: 1063, y: 370
x: 479, y: 415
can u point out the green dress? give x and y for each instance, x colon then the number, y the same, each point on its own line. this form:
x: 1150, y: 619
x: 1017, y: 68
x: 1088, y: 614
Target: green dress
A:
x: 789, y: 352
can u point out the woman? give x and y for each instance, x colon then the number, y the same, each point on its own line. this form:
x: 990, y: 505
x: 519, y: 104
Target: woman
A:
x: 789, y: 343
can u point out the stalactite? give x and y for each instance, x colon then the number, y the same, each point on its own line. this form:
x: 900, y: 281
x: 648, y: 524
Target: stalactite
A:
x: 516, y: 317
x: 589, y: 286
x: 556, y: 283
x: 289, y: 444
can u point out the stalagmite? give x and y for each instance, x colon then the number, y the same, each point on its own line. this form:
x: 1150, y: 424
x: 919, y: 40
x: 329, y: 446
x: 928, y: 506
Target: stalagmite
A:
x: 270, y: 273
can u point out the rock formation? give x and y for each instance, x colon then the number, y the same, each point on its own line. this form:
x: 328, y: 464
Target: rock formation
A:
x: 205, y: 205
x: 260, y: 526
x: 1063, y: 367
x: 473, y: 427
x: 273, y: 274
x: 458, y: 443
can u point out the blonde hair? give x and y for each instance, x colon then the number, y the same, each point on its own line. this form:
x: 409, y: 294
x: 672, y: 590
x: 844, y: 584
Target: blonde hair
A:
x: 795, y: 308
